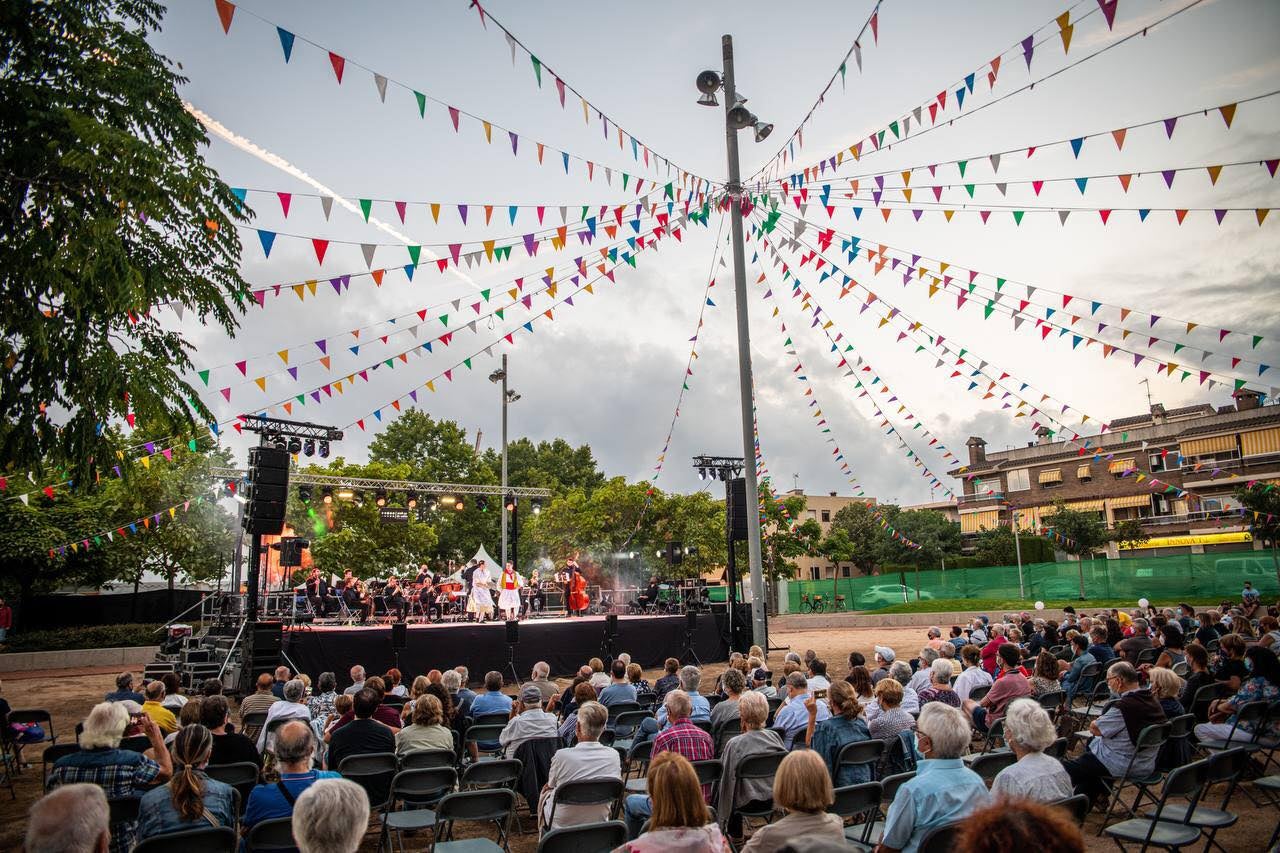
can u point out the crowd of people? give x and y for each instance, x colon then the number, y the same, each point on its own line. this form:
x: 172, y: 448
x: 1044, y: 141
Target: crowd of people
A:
x: 1016, y: 680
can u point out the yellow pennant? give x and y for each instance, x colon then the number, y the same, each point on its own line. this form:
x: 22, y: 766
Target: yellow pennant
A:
x: 284, y: 355
x: 261, y: 382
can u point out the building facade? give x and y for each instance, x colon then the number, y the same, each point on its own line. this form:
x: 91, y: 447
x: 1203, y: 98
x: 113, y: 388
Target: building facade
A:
x: 823, y: 508
x: 1206, y: 451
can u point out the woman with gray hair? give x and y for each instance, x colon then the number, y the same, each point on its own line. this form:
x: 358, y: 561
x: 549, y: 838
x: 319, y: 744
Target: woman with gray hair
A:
x: 331, y: 817
x: 943, y: 789
x: 293, y: 707
x: 1029, y: 732
x: 939, y: 689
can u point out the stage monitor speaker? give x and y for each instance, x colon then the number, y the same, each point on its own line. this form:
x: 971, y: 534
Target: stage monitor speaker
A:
x: 691, y: 620
x: 738, y: 509
x: 399, y: 635
x: 513, y: 632
x: 611, y: 625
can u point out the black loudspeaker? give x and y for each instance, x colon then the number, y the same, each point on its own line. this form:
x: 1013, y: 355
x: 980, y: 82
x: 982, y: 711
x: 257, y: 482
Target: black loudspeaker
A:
x: 738, y: 510
x: 399, y: 635
x: 691, y: 620
x: 513, y: 632
x: 611, y: 625
x: 266, y: 491
x: 264, y: 640
x: 742, y: 633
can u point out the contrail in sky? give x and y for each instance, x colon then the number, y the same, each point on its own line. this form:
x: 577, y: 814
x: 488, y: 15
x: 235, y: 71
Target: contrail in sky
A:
x: 220, y: 130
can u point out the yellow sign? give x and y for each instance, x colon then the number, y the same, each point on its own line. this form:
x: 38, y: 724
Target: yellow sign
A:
x: 1196, y: 539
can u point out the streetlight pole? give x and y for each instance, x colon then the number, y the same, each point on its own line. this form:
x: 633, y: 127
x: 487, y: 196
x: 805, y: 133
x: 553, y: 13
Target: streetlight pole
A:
x: 504, y: 461
x: 1017, y: 550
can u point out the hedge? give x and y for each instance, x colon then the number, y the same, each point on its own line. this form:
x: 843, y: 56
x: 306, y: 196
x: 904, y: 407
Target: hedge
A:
x: 87, y: 637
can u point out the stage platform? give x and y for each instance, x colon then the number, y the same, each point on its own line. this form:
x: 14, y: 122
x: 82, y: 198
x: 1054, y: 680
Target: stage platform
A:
x: 564, y: 643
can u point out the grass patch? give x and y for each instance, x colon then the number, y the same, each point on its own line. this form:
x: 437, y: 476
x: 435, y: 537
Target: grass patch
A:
x: 85, y: 637
x: 995, y: 606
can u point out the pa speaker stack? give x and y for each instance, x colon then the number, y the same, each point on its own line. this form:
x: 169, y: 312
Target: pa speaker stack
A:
x: 263, y: 652
x: 266, y: 491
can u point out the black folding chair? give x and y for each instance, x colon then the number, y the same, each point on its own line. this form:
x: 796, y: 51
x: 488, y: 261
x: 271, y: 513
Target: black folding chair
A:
x: 1097, y: 698
x: 860, y: 753
x: 858, y: 804
x: 1149, y: 738
x: 271, y: 836
x: 253, y: 723
x: 421, y: 759
x: 416, y: 791
x: 709, y: 772
x: 729, y: 729
x: 1221, y: 767
x: 637, y: 762
x: 491, y: 805
x: 1057, y: 749
x: 989, y: 764
x: 210, y: 839
x: 1148, y: 656
x: 242, y: 775
x: 1078, y: 806
x: 499, y: 773
x: 373, y: 772
x: 1250, y: 720
x: 481, y: 733
x: 1160, y: 830
x: 978, y: 693
x: 1204, y: 696
x: 587, y: 838
x: 587, y: 792
x: 759, y: 767
x: 1052, y: 702
x: 38, y: 716
x: 1270, y: 788
x: 51, y: 755
x: 940, y: 839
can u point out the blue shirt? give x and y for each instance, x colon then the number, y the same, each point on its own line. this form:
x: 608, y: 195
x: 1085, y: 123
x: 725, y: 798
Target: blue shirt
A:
x: 125, y: 695
x: 1102, y: 653
x: 490, y: 703
x: 701, y: 710
x: 616, y: 693
x: 834, y: 734
x: 266, y: 802
x: 793, y: 717
x: 943, y: 791
x: 156, y: 813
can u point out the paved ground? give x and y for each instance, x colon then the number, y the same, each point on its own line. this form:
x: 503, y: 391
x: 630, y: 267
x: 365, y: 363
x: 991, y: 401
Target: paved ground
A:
x: 69, y: 694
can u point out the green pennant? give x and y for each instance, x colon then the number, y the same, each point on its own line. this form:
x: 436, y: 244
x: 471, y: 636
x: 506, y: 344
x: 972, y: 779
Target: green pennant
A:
x: 585, y: 208
x: 1177, y: 347
x: 999, y: 284
x: 302, y: 399
x: 1257, y: 339
x: 893, y: 125
x: 1017, y: 217
x: 501, y: 313
x: 366, y: 205
x: 971, y: 287
x: 625, y: 178
x: 988, y: 309
x: 969, y: 189
x: 787, y: 343
x: 842, y: 68
x: 630, y: 259
x: 444, y: 319
x: 204, y: 377
x: 191, y: 445
x: 537, y: 68
x: 389, y: 363
x: 670, y: 190
x: 422, y: 103
x: 963, y: 164
x: 484, y: 294
x: 467, y: 362
x: 880, y: 139
x: 1185, y: 374
x: 1239, y: 384
x: 415, y: 252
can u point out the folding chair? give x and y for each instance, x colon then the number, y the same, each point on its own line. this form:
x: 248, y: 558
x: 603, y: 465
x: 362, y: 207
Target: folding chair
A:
x: 989, y: 764
x: 50, y: 757
x: 1250, y: 720
x: 860, y: 753
x: 637, y: 760
x: 587, y: 838
x: 242, y: 775
x: 253, y: 723
x: 1098, y: 696
x: 889, y: 786
x: 1052, y: 702
x: 730, y: 729
x: 995, y: 732
x: 978, y: 693
x: 1057, y: 749
x: 1181, y: 669
x: 501, y: 772
x: 421, y: 759
x: 587, y: 792
x: 617, y: 709
x: 416, y: 791
x: 1204, y: 696
x: 1221, y: 767
x: 480, y: 733
x: 210, y: 839
x: 761, y: 767
x: 858, y: 804
x: 1160, y: 830
x: 498, y: 719
x: 492, y: 805
x: 373, y: 772
x: 1270, y: 788
x: 709, y: 772
x: 1148, y: 656
x: 940, y: 839
x: 34, y: 715
x: 646, y: 699
x: 271, y: 836
x: 1078, y: 806
x: 1150, y: 738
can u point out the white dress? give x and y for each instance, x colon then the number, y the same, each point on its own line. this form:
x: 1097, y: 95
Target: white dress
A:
x: 481, y: 600
x: 509, y: 599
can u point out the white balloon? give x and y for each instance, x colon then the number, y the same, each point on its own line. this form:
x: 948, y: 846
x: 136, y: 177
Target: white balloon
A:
x: 1039, y: 605
x: 1142, y: 602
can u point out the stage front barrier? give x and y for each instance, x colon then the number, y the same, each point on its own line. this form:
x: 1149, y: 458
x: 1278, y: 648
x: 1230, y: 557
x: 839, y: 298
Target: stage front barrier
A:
x: 1162, y: 580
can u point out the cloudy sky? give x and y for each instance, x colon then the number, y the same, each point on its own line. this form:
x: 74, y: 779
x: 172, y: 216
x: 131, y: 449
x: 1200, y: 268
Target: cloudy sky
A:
x: 608, y: 370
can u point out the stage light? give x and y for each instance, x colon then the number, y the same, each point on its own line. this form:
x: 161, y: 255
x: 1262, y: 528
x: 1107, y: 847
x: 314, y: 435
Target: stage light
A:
x: 708, y: 99
x: 763, y: 129
x: 510, y: 502
x: 411, y: 501
x: 278, y: 442
x: 309, y: 447
x: 324, y: 449
x: 702, y: 473
x: 448, y: 500
x: 294, y: 445
x: 459, y: 504
x: 380, y: 498
x: 346, y: 494
x: 304, y: 494
x: 358, y: 497
x: 482, y: 503
x: 432, y: 504
x: 326, y: 495
x: 536, y: 506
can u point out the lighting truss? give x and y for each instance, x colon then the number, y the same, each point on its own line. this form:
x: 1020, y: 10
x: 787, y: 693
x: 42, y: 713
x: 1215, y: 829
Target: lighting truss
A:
x: 722, y: 468
x: 364, y: 484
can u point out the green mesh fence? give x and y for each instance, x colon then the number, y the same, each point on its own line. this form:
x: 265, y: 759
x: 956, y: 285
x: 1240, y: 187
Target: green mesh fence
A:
x: 1160, y: 579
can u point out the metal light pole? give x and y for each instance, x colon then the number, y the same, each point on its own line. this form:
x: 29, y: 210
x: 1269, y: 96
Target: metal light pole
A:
x: 508, y: 396
x: 736, y: 118
x: 1017, y: 549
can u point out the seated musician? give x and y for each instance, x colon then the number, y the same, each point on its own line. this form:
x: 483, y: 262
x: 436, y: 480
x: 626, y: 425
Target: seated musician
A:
x: 354, y: 596
x: 318, y: 593
x: 535, y: 602
x: 649, y: 597
x: 424, y: 575
x: 427, y: 597
x: 393, y: 597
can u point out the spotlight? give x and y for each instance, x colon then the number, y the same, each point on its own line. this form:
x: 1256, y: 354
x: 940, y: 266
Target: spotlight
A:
x: 707, y: 82
x: 346, y: 494
x: 708, y: 99
x: 510, y: 502
x: 309, y: 447
x: 304, y: 494
x: 482, y: 503
x: 432, y: 504
x: 536, y: 506
x: 763, y: 129
x: 326, y: 495
x: 380, y: 498
x: 448, y: 500
x: 512, y: 396
x: 358, y: 497
x: 324, y: 449
x: 459, y: 504
x: 702, y: 473
x: 278, y: 442
x: 294, y: 445
x: 411, y: 501
x: 497, y: 375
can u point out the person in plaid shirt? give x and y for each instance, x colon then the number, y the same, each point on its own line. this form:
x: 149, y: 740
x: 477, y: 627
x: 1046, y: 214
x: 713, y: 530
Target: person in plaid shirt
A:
x: 121, y: 773
x: 680, y: 736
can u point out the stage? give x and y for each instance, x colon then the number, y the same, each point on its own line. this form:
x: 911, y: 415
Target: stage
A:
x: 564, y: 643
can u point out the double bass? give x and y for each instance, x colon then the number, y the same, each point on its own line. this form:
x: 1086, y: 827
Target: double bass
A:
x: 578, y: 599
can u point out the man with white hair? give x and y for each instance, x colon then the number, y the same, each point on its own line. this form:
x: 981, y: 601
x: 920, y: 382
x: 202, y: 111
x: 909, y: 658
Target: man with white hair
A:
x: 291, y: 707
x: 70, y: 819
x: 680, y: 736
x: 1036, y: 776
x: 793, y: 717
x: 331, y: 817
x: 357, y: 680
x: 920, y: 680
x: 295, y: 748
x: 586, y: 759
x: 541, y: 678
x: 978, y: 632
x: 935, y: 638
x: 943, y: 790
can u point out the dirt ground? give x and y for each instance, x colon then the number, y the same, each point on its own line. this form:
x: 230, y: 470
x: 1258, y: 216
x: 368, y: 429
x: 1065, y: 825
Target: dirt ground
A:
x: 69, y: 694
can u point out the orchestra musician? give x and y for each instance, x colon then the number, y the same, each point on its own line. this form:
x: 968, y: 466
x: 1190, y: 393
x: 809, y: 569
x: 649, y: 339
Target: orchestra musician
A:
x: 480, y: 602
x: 649, y: 598
x: 509, y: 584
x: 427, y: 597
x: 394, y: 599
x: 318, y: 593
x: 562, y: 581
x: 425, y: 575
x: 355, y: 596
x: 578, y: 601
x: 536, y: 601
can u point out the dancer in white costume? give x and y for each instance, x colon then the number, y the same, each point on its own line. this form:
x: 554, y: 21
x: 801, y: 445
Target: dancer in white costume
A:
x: 509, y: 592
x: 481, y: 601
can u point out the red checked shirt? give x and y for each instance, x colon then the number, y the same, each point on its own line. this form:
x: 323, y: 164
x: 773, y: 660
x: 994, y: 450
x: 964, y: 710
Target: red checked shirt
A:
x: 688, y: 740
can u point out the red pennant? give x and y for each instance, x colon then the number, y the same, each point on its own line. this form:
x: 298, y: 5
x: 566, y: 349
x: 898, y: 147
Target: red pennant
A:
x: 226, y: 11
x: 338, y: 64
x: 321, y: 246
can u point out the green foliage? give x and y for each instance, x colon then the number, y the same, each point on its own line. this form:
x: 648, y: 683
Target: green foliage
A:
x: 1085, y: 531
x: 1129, y: 533
x: 995, y: 547
x: 555, y: 465
x: 108, y: 211
x: 854, y: 537
x: 1262, y: 502
x: 87, y: 637
x: 939, y: 538
x: 784, y: 537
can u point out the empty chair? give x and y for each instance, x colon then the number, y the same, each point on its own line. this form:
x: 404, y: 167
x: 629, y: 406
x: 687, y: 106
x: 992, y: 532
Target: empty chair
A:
x: 500, y: 773
x: 242, y: 776
x: 1159, y: 830
x: 491, y: 805
x: 586, y: 792
x: 638, y: 762
x: 730, y: 728
x: 1221, y: 767
x: 420, y: 759
x: 210, y: 839
x: 270, y: 836
x: 587, y: 838
x: 416, y: 791
x: 858, y: 804
x: 373, y: 772
x: 1151, y: 736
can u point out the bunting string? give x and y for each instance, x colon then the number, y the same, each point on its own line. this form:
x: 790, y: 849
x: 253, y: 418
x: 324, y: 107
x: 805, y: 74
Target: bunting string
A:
x: 124, y: 531
x: 1019, y: 212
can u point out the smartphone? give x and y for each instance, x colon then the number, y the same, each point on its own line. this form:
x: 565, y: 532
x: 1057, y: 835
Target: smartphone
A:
x: 136, y: 723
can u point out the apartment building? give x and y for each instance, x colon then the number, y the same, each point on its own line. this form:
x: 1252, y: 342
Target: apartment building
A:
x: 822, y: 508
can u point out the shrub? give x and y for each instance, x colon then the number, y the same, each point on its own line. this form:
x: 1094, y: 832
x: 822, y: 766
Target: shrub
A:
x: 86, y: 637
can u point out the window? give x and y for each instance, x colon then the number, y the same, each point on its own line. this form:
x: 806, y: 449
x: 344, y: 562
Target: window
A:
x: 826, y: 515
x: 1050, y: 479
x: 1019, y: 480
x: 844, y: 571
x: 1084, y: 473
x: 813, y: 513
x: 815, y: 573
x: 1157, y: 462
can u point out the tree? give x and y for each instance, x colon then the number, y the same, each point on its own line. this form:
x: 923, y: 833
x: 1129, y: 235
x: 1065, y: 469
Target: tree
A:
x: 785, y: 535
x: 1079, y: 534
x: 555, y: 465
x: 995, y: 546
x: 107, y: 210
x: 1262, y: 514
x: 937, y: 537
x: 1129, y: 533
x: 854, y: 537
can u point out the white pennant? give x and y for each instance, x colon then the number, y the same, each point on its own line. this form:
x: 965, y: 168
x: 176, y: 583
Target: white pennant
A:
x: 511, y: 42
x: 326, y: 203
x: 381, y: 83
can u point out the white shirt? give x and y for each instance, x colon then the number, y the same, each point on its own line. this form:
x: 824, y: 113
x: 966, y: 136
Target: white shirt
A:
x: 1035, y: 776
x: 974, y: 676
x: 282, y: 710
x: 528, y: 725
x: 585, y: 760
x: 910, y: 704
x: 818, y: 682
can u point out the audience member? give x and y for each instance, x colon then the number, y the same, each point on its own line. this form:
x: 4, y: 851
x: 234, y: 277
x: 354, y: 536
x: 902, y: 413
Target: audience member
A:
x: 760, y: 683
x: 972, y: 674
x: 465, y: 693
x: 357, y: 680
x: 1010, y: 684
x: 71, y: 819
x: 541, y: 678
x: 635, y: 675
x: 1130, y: 647
x: 860, y: 680
x: 680, y: 735
x: 803, y: 789
x: 291, y: 707
x: 281, y: 678
x: 583, y: 693
x: 190, y: 800
x: 1115, y: 735
x: 124, y: 690
x: 259, y: 702
x: 921, y: 678
x: 427, y: 731
x: 1172, y: 646
x: 320, y: 703
x: 884, y: 657
x: 619, y: 688
x: 1262, y: 683
x: 1019, y: 825
x: 680, y: 820
x: 670, y: 680
x: 155, y: 709
x: 492, y: 700
x: 331, y: 817
x: 1029, y: 732
x: 939, y: 688
x: 173, y: 698
x: 892, y: 720
x: 586, y: 759
x: 295, y: 751
x: 1103, y: 652
x: 792, y: 717
x: 910, y: 702
x: 843, y: 727
x: 212, y: 687
x: 528, y: 722
x: 726, y: 710
x: 943, y: 790
x: 363, y: 734
x: 817, y: 677
x: 385, y: 714
x: 735, y: 793
x: 228, y: 747
x: 998, y: 639
x: 1198, y: 675
x: 951, y: 655
x: 1231, y: 667
x: 1045, y: 677
x: 394, y: 681
x: 1071, y: 676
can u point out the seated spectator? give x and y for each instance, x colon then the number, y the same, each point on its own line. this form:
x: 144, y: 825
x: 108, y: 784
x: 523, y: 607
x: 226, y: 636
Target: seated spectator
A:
x: 599, y: 678
x: 119, y: 772
x: 586, y: 759
x: 950, y: 654
x: 935, y: 640
x: 341, y: 708
x: 528, y: 722
x: 860, y: 680
x: 735, y: 793
x: 1262, y: 684
x: 803, y: 789
x: 211, y: 687
x: 978, y: 632
x: 1231, y: 667
x: 817, y: 677
x: 1269, y: 632
x: 1029, y: 732
x: 619, y: 688
x: 295, y: 749
x: 1198, y: 675
x: 1115, y: 735
x: 943, y: 790
x: 465, y: 693
x: 997, y: 640
x: 1103, y: 652
x: 331, y: 817
x: 921, y: 677
x: 1250, y: 599
x: 228, y: 747
x: 1130, y: 647
x: 910, y: 702
x: 958, y: 639
x: 259, y: 702
x: 1019, y: 825
x: 583, y: 693
x: 1045, y: 677
x: 357, y: 680
x: 1071, y: 681
x: 700, y: 707
x: 451, y: 681
x: 363, y: 734
x: 190, y: 800
x: 792, y: 717
x: 726, y: 710
x: 393, y: 680
x: 320, y: 703
x: 972, y: 674
x: 670, y: 680
x: 71, y: 819
x: 1009, y: 685
x: 760, y: 683
x: 291, y: 708
x: 564, y: 703
x: 833, y: 734
x: 541, y: 678
x: 680, y: 820
x: 124, y: 690
x: 884, y: 657
x: 681, y: 736
x: 492, y: 700
x: 635, y: 676
x: 940, y: 689
x: 427, y: 731
x: 282, y: 677
x: 155, y: 709
x: 384, y: 714
x: 173, y: 698
x: 892, y: 720
x: 1172, y: 647
x: 1166, y: 686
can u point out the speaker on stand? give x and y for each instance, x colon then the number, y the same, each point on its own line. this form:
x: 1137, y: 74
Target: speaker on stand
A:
x: 610, y: 637
x: 399, y: 640
x: 690, y: 630
x: 513, y: 639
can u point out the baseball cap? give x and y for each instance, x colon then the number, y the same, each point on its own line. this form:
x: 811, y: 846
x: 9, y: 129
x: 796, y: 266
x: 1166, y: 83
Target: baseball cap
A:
x: 887, y: 653
x: 760, y: 674
x: 530, y: 695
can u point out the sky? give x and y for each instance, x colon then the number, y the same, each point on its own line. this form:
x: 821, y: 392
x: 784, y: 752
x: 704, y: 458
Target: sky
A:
x: 608, y: 371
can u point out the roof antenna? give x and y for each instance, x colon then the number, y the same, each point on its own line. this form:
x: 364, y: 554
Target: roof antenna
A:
x: 1147, y: 382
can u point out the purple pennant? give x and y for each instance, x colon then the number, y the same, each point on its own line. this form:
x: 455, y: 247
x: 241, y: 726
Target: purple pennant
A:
x: 151, y: 448
x: 293, y: 371
x: 876, y: 196
x: 1220, y: 215
x: 1168, y: 177
x: 323, y: 346
x: 315, y: 395
x: 413, y: 395
x: 915, y: 259
x: 529, y: 244
x: 462, y: 211
x: 515, y: 141
x: 1168, y: 126
x: 1028, y: 48
x: 880, y: 181
x: 337, y: 285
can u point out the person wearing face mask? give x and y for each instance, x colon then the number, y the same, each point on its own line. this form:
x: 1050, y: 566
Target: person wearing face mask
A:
x: 1261, y: 683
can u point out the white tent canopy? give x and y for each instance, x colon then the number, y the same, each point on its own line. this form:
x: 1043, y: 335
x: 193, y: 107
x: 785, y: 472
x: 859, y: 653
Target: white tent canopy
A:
x: 482, y: 554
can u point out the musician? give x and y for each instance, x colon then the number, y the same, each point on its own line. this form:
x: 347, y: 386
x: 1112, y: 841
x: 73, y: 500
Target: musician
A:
x: 649, y: 597
x: 480, y: 602
x: 536, y: 602
x: 427, y: 598
x: 318, y: 593
x: 425, y: 575
x: 562, y: 581
x: 393, y: 597
x: 355, y: 596
x: 509, y: 584
x: 578, y: 600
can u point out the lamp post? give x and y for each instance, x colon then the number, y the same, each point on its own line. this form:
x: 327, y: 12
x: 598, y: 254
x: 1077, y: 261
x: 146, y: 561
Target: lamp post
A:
x: 737, y: 117
x: 499, y: 376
